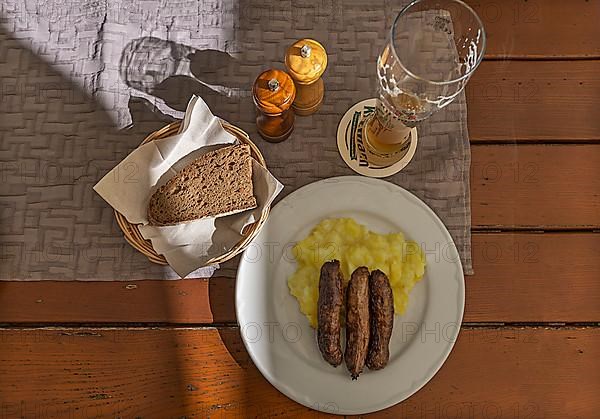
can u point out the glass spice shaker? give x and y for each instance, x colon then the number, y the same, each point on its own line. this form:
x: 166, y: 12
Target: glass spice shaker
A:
x: 306, y: 60
x: 273, y: 93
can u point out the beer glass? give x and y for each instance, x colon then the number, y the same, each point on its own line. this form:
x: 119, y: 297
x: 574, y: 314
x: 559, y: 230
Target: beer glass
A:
x: 433, y: 47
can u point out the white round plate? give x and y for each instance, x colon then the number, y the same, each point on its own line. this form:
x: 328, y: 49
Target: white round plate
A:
x: 278, y: 336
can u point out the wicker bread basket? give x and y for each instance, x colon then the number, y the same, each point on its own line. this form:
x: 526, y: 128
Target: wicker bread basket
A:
x: 133, y: 235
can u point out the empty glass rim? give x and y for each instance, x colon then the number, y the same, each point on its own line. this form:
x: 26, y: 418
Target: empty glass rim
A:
x: 413, y: 75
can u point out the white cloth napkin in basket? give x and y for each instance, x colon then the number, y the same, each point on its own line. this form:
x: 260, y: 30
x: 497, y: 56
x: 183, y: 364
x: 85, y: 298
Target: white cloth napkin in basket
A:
x: 129, y: 186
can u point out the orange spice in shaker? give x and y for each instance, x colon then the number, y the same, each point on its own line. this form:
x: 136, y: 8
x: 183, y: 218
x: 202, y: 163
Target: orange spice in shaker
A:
x: 306, y: 60
x: 273, y: 93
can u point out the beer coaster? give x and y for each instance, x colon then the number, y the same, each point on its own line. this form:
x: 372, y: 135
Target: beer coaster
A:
x: 350, y: 142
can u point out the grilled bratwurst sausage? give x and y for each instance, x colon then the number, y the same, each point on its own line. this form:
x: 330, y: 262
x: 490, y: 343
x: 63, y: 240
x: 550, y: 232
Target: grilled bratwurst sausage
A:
x: 381, y: 311
x: 357, y: 321
x: 329, y: 307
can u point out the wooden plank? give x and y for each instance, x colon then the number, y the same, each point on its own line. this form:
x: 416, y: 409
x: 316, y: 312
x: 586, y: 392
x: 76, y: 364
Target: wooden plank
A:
x: 512, y: 373
x: 529, y: 277
x: 514, y: 101
x: 519, y: 277
x: 207, y: 372
x: 528, y: 186
x: 198, y: 301
x: 540, y: 28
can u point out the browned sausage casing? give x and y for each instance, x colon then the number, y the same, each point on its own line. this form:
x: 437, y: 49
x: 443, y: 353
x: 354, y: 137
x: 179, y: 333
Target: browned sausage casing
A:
x: 329, y: 310
x: 357, y: 321
x: 381, y: 308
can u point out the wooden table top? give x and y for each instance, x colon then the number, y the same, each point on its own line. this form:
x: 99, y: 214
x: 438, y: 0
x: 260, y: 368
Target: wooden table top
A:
x: 530, y: 343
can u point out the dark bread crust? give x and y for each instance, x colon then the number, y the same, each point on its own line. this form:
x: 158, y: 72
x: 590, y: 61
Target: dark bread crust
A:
x: 329, y: 311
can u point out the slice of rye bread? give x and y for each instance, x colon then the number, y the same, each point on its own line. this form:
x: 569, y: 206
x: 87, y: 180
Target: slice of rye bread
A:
x: 217, y: 183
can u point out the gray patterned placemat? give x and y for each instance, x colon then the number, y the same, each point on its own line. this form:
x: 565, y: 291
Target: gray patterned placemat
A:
x: 83, y: 81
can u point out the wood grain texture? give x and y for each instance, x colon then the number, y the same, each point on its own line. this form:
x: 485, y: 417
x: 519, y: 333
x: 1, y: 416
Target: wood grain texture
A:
x: 166, y: 373
x: 541, y: 187
x: 198, y: 301
x: 534, y: 277
x: 540, y: 28
x: 519, y: 277
x: 517, y: 101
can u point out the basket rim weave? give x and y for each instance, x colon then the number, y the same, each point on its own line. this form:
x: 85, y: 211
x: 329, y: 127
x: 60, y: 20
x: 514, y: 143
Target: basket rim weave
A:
x: 132, y: 233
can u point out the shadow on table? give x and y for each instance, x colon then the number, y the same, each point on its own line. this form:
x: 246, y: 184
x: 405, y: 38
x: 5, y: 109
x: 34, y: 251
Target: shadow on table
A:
x: 173, y: 72
x: 57, y: 142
